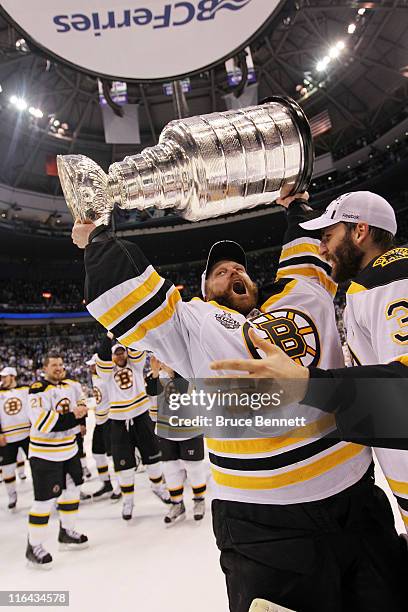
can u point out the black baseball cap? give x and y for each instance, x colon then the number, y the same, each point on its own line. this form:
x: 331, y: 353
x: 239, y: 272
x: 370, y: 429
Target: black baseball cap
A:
x: 223, y: 250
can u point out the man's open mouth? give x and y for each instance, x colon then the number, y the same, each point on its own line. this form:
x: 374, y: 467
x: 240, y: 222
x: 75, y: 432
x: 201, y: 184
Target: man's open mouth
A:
x: 238, y: 287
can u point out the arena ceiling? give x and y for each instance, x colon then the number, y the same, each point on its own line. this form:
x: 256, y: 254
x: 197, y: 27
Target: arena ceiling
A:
x: 362, y: 89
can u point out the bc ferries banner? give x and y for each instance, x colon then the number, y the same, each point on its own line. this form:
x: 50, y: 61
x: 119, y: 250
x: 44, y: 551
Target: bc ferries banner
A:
x: 140, y: 39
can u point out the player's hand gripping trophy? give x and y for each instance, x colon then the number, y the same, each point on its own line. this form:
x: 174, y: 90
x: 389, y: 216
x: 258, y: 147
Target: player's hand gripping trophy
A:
x: 203, y: 167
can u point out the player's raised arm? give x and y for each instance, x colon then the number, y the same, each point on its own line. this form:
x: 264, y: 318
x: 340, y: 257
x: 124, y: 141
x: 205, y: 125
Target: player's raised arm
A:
x: 300, y: 258
x: 129, y: 298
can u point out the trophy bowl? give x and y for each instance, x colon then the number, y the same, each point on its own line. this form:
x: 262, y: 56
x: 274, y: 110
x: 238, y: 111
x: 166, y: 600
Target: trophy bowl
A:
x: 85, y: 187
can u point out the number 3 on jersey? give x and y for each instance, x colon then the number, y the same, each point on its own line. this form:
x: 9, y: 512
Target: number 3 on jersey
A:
x: 292, y: 330
x: 395, y: 310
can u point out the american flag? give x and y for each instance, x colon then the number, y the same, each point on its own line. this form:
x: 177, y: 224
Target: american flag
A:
x: 321, y: 123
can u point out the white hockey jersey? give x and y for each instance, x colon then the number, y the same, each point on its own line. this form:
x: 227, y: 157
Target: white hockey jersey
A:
x: 101, y: 396
x: 125, y: 386
x: 376, y: 320
x: 14, y: 421
x: 49, y: 438
x: 144, y: 310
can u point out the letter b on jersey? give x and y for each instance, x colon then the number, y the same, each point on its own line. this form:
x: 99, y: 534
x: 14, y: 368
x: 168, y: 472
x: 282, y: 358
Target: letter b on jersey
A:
x: 292, y: 330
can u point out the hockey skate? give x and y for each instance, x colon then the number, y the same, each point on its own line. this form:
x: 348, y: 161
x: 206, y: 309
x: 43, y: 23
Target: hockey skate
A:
x: 162, y: 493
x: 115, y: 497
x: 22, y: 475
x: 127, y: 509
x: 37, y: 557
x: 104, y: 490
x: 176, y: 514
x: 198, y: 508
x: 12, y: 502
x: 84, y: 496
x: 71, y: 540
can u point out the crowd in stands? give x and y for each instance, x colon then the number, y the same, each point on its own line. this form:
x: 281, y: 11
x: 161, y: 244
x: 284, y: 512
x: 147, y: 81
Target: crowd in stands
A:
x: 59, y: 295
x: 34, y: 296
x: 24, y: 348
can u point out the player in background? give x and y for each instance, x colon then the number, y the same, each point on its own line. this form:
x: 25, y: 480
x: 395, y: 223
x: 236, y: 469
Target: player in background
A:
x: 131, y: 425
x: 182, y: 457
x: 54, y: 410
x: 14, y: 429
x: 101, y: 438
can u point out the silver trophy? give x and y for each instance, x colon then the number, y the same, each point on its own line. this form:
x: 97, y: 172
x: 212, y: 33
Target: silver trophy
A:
x: 203, y: 166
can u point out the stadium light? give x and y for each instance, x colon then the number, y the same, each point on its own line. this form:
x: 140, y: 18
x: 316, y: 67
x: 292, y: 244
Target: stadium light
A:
x: 352, y: 28
x: 35, y: 112
x: 340, y: 44
x: 21, y: 45
x: 322, y: 65
x: 361, y: 11
x: 19, y: 103
x: 334, y: 52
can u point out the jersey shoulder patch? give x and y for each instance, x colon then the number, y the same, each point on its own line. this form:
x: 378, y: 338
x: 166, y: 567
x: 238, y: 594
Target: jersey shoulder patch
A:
x: 387, y: 268
x: 38, y: 386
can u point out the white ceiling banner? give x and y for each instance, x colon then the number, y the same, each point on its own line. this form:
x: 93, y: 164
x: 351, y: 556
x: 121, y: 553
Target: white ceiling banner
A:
x: 140, y: 39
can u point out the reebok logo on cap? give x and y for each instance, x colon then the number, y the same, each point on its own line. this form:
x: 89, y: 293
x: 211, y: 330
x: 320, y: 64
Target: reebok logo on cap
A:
x: 357, y: 206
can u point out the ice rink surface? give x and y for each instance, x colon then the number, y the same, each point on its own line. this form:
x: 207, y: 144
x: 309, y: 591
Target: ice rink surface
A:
x: 137, y: 566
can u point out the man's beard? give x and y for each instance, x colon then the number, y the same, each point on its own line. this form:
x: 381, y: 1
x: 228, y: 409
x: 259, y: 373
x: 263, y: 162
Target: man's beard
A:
x: 347, y: 258
x: 235, y: 301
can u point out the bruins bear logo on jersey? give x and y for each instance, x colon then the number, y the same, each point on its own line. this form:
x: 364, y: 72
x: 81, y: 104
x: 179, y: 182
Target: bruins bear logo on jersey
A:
x: 63, y: 405
x: 13, y: 406
x: 124, y: 378
x: 97, y: 395
x: 292, y: 330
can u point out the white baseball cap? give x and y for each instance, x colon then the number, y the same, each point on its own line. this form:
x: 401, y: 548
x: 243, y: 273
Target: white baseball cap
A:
x: 356, y: 207
x: 7, y: 371
x: 224, y: 249
x: 115, y: 347
x: 92, y: 360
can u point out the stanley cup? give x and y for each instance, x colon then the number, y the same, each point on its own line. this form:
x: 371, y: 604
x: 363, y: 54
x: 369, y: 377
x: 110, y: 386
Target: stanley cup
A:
x: 203, y: 166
